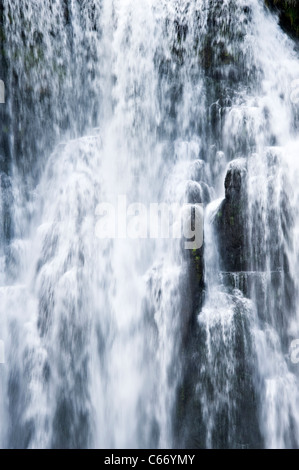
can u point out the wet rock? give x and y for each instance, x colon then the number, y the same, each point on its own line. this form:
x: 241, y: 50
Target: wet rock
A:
x: 230, y: 220
x: 219, y: 356
x: 235, y: 180
x: 197, y: 193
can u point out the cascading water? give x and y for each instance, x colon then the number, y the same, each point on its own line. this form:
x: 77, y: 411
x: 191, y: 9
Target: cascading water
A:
x: 131, y: 343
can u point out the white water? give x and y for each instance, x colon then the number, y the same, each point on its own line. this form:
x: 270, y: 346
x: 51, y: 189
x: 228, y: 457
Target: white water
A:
x: 128, y: 93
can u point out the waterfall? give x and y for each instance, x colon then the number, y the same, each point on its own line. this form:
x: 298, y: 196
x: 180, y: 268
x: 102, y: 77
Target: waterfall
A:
x: 136, y: 342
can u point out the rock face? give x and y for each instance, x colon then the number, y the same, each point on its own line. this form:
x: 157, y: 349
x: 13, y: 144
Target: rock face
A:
x: 288, y: 14
x: 252, y: 259
x: 229, y: 221
x: 207, y: 350
x: 197, y: 192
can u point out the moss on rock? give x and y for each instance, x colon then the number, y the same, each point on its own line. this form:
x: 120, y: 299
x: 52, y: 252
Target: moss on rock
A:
x: 288, y: 14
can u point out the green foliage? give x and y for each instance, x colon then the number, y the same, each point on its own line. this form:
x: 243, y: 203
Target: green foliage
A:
x: 289, y: 14
x: 198, y: 263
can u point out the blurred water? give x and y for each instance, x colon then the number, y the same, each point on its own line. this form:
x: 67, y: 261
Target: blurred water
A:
x: 106, y: 342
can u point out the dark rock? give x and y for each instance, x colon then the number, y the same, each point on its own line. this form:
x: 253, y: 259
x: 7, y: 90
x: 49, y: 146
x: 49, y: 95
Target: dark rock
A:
x: 230, y: 220
x: 288, y: 11
x: 197, y: 193
x: 235, y: 180
x: 210, y: 363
